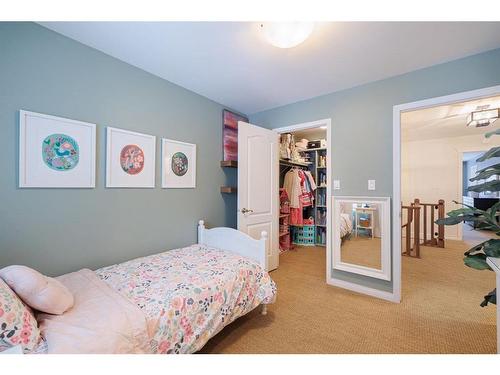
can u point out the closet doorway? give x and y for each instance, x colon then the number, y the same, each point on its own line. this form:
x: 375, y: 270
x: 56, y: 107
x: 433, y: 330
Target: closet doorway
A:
x: 305, y: 171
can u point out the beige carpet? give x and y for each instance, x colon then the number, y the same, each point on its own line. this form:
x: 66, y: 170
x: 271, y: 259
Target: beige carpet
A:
x: 362, y: 251
x: 440, y: 311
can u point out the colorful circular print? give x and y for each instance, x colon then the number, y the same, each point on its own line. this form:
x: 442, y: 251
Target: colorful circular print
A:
x: 60, y: 152
x: 179, y: 164
x: 132, y: 159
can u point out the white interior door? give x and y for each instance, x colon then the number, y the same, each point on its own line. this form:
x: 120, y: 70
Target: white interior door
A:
x: 258, y: 180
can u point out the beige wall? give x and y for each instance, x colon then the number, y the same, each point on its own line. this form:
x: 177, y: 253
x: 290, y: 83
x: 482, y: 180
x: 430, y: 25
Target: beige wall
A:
x: 432, y: 170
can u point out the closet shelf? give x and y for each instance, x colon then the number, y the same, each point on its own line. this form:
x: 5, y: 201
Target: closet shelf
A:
x: 293, y: 163
x: 229, y: 164
x: 314, y: 149
x: 228, y: 189
x: 284, y: 234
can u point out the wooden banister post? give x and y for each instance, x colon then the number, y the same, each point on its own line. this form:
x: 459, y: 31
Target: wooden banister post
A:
x: 433, y: 232
x: 424, y: 214
x: 416, y: 232
x: 408, y: 232
x: 440, y: 241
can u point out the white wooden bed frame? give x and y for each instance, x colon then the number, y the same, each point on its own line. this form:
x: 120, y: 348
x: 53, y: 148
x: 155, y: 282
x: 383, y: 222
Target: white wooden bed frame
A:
x: 237, y: 242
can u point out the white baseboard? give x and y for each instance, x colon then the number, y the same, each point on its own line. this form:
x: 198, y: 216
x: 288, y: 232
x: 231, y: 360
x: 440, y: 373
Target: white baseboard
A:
x: 365, y: 290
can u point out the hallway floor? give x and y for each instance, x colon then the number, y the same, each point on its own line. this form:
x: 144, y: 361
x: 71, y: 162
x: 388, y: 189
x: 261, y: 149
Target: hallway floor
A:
x: 439, y: 313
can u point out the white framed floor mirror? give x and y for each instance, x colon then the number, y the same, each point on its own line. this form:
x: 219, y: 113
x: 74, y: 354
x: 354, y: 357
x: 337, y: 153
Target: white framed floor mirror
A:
x: 362, y: 236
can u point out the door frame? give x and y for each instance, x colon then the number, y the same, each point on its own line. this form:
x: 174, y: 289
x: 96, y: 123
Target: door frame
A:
x: 316, y: 124
x: 396, y: 164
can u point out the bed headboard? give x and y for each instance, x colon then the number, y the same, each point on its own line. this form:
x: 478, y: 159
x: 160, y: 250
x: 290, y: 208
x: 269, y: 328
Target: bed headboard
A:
x: 235, y: 241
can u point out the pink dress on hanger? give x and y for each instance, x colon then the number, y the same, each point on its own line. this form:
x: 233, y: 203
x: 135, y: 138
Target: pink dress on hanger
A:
x: 296, y: 216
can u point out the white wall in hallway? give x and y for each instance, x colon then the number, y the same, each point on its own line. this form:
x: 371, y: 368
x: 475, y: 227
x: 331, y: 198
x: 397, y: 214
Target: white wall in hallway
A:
x: 432, y: 170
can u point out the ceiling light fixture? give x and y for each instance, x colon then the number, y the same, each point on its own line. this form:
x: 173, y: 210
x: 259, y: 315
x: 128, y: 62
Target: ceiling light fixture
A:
x: 286, y: 34
x: 483, y: 117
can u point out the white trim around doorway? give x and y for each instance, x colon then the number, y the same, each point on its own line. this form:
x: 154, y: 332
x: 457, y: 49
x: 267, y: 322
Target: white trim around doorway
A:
x: 396, y: 164
x: 310, y: 125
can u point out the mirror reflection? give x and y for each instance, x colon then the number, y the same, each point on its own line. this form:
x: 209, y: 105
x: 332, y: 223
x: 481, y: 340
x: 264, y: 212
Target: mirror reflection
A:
x: 360, y: 234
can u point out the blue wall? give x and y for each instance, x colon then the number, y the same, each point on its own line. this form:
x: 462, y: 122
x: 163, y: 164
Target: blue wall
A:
x: 61, y: 230
x: 362, y: 123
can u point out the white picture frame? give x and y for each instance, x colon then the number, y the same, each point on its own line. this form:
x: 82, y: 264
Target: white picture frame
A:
x: 384, y: 207
x: 130, y: 159
x: 56, y: 152
x: 174, y: 176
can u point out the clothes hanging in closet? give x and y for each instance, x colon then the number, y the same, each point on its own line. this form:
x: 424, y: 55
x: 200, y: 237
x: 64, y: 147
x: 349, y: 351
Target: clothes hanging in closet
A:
x: 300, y: 186
x: 292, y: 186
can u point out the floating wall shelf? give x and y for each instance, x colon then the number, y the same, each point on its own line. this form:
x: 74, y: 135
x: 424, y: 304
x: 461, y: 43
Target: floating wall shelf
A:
x: 229, y: 164
x: 228, y: 189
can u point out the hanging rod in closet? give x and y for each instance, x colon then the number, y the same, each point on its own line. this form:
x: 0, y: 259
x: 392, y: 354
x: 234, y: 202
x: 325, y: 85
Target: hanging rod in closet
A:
x: 289, y: 163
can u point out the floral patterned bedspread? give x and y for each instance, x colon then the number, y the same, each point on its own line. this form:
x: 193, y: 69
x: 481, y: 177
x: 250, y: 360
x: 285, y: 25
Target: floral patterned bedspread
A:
x: 190, y: 294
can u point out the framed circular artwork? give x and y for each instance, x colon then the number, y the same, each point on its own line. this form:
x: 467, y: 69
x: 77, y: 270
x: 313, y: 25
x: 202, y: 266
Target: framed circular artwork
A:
x: 55, y: 152
x: 132, y: 159
x: 178, y: 164
x: 60, y: 152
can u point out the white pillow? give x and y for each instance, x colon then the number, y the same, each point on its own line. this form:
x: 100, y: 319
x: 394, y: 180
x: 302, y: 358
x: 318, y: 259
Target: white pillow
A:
x: 40, y: 292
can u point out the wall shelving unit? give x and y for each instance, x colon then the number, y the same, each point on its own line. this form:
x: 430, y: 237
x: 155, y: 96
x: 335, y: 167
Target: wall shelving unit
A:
x: 319, y: 211
x: 228, y: 164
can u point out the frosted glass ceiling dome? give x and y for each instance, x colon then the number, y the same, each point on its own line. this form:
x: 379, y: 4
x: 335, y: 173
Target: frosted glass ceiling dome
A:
x: 286, y: 34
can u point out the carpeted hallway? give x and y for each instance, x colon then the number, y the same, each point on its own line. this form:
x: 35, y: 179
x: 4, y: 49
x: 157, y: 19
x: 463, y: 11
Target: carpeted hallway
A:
x: 439, y: 313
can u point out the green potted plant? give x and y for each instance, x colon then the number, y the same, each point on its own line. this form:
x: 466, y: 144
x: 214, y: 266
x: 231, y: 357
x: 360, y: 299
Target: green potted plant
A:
x: 476, y: 256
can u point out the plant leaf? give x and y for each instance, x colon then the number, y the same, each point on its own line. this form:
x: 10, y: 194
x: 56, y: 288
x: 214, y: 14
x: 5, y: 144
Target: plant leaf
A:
x: 465, y: 211
x: 483, y: 174
x: 491, y: 212
x: 478, y: 247
x: 486, y: 186
x: 491, y: 297
x: 491, y: 153
x: 492, y: 248
x: 477, y: 261
x: 454, y: 220
x: 488, y: 167
x: 494, y: 132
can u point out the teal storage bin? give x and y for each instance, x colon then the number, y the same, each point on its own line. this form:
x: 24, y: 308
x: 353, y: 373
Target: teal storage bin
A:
x: 304, y: 236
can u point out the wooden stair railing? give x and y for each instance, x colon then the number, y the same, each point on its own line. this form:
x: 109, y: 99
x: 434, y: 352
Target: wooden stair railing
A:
x: 431, y: 237
x: 412, y: 248
x: 415, y: 213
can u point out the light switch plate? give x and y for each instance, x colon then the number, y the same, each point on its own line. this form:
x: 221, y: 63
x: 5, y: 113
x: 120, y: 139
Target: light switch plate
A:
x: 371, y: 184
x: 336, y: 184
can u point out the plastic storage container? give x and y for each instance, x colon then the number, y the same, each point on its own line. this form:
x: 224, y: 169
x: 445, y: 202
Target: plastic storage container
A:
x: 304, y: 235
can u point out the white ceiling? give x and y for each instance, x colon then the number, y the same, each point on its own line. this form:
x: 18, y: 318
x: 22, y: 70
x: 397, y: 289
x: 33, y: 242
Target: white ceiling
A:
x: 445, y: 121
x: 231, y: 63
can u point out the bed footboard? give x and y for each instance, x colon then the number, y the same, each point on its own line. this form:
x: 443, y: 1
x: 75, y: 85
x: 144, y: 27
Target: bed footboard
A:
x: 235, y: 241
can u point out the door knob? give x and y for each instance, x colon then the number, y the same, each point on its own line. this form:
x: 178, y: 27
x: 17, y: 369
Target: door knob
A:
x: 245, y: 210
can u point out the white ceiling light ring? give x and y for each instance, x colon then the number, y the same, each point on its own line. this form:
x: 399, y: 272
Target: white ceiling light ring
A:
x: 286, y: 34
